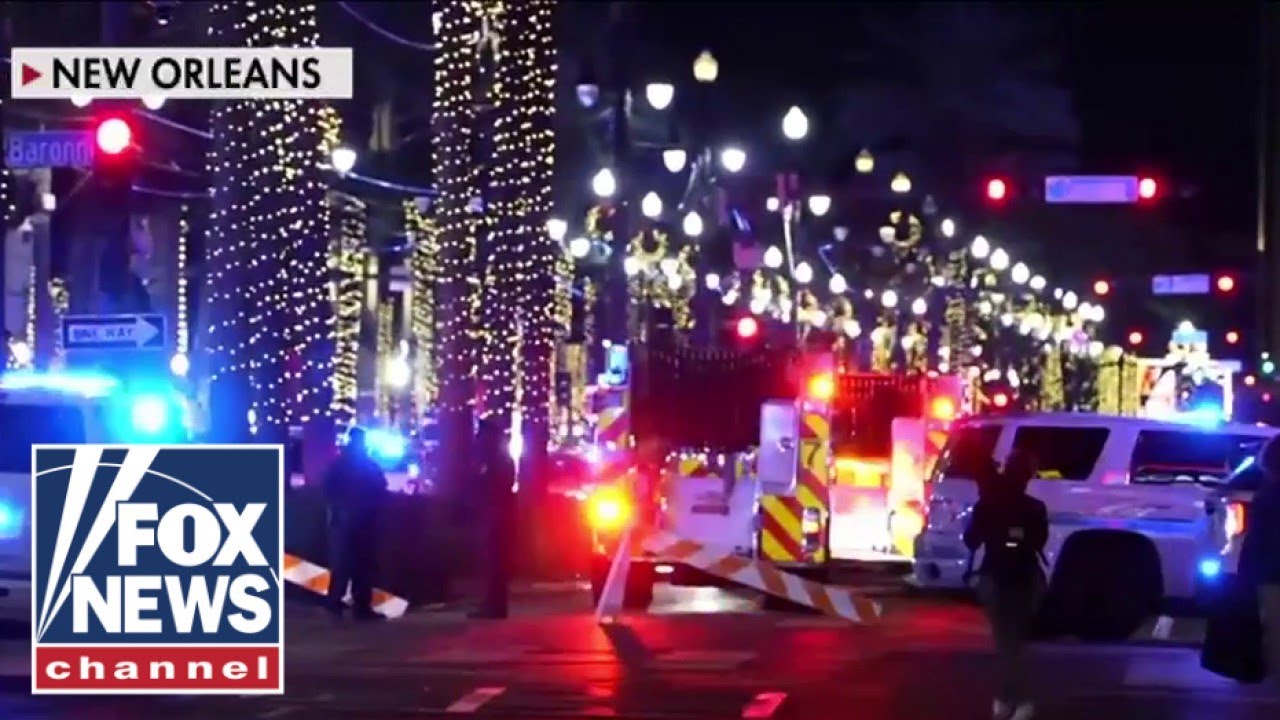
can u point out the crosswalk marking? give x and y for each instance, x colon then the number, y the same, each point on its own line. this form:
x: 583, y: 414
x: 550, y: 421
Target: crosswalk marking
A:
x: 475, y: 700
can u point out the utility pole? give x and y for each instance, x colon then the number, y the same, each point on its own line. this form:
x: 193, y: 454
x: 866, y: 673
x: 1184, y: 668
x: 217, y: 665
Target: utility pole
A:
x: 42, y: 256
x: 1268, y: 240
x: 616, y: 306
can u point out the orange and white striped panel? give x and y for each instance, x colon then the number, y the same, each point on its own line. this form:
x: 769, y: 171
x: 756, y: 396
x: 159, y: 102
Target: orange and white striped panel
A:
x: 782, y: 518
x: 765, y: 577
x: 316, y: 579
x: 612, y: 426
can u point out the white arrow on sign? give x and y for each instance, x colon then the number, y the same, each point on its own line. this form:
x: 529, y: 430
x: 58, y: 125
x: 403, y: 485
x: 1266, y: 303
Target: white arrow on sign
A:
x: 137, y: 333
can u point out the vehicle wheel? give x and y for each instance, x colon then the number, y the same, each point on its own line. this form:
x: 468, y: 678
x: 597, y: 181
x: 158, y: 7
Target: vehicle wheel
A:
x: 1103, y: 587
x: 638, y: 594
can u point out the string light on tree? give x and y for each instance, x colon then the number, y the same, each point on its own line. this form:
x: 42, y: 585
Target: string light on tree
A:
x: 423, y: 274
x: 348, y: 260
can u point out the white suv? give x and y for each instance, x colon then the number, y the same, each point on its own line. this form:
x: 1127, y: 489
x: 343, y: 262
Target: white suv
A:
x: 62, y: 409
x: 1127, y: 501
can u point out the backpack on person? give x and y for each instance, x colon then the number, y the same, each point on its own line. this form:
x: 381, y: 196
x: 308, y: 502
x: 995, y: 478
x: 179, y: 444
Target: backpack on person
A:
x: 1012, y: 540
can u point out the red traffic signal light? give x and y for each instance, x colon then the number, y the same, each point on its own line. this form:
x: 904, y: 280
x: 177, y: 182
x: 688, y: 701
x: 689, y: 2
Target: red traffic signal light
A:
x: 1233, y: 337
x: 748, y: 328
x: 997, y: 189
x: 1136, y: 337
x: 1000, y: 400
x: 1226, y: 283
x: 113, y: 136
x: 1148, y: 188
x: 1101, y: 287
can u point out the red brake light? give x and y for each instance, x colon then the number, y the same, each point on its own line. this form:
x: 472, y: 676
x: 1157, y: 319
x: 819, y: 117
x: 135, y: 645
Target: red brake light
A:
x: 748, y: 327
x: 1000, y: 400
x: 1235, y: 519
x: 608, y: 508
x: 821, y: 387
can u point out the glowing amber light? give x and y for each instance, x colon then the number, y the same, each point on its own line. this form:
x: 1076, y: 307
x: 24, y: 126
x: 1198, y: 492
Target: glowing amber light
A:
x: 608, y: 508
x: 942, y: 408
x: 822, y: 387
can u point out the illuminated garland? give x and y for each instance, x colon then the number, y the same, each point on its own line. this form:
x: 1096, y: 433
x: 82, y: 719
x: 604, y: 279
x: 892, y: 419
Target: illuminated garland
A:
x: 423, y: 274
x: 348, y: 258
x: 589, y: 296
x: 453, y: 113
x: 385, y: 351
x: 657, y: 279
x: 182, y: 327
x: 7, y: 206
x: 268, y: 242
x: 60, y: 298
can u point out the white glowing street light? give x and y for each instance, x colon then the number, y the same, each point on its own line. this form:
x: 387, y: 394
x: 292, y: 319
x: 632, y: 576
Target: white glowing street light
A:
x: 838, y: 285
x: 889, y: 299
x: 1020, y: 273
x: 651, y: 205
x: 1037, y: 283
x: 1070, y: 300
x: 980, y: 247
x: 712, y: 281
x: 153, y: 102
x: 795, y: 124
x: 900, y: 183
x: 733, y: 159
x: 865, y: 162
x: 604, y: 184
x: 819, y: 204
x: 180, y: 365
x: 773, y: 257
x: 919, y: 306
x: 557, y: 229
x: 659, y: 95
x: 81, y: 101
x: 343, y: 159
x: 580, y: 247
x: 804, y: 273
x: 772, y: 204
x: 674, y: 159
x: 948, y: 227
x: 692, y: 224
x: 999, y: 259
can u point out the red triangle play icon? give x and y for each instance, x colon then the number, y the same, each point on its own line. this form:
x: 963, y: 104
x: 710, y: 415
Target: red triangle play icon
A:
x: 30, y: 74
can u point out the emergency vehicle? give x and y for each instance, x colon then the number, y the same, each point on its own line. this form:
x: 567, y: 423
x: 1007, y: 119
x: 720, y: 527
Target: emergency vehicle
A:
x: 777, y: 454
x: 1136, y: 518
x: 66, y: 408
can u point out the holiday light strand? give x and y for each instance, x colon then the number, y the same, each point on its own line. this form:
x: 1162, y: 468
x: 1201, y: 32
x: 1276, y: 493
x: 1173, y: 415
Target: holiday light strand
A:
x: 268, y: 245
x: 182, y: 328
x: 349, y: 252
x: 7, y: 206
x: 385, y: 352
x: 423, y: 275
x: 60, y: 300
x: 453, y: 114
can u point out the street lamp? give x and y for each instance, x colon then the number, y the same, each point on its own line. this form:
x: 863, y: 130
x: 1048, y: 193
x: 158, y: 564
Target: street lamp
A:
x: 1069, y: 300
x: 773, y: 257
x: 948, y: 227
x: 803, y: 273
x: 1020, y: 273
x: 772, y: 204
x: 733, y: 159
x: 900, y: 184
x: 1037, y: 283
x: 889, y: 299
x: 81, y: 101
x: 692, y: 224
x: 865, y: 162
x: 588, y: 94
x: 795, y: 124
x: 580, y: 247
x: 712, y: 280
x: 819, y: 204
x: 980, y: 247
x: 557, y: 229
x: 153, y: 102
x: 674, y: 159
x: 651, y: 205
x: 919, y: 306
x: 659, y: 95
x: 999, y: 259
x: 604, y: 184
x: 705, y: 67
x: 838, y: 285
x: 342, y: 159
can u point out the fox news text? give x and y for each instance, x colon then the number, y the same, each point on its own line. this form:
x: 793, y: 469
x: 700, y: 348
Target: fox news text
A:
x: 156, y: 569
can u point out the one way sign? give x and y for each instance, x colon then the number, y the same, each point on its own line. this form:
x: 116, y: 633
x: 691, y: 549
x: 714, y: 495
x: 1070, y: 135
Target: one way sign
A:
x: 113, y: 332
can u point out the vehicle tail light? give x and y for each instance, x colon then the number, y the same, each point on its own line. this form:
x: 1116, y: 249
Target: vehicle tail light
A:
x: 609, y: 508
x: 1235, y: 519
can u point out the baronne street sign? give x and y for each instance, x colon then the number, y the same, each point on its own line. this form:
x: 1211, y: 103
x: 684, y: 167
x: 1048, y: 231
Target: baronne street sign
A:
x: 24, y: 149
x: 113, y: 332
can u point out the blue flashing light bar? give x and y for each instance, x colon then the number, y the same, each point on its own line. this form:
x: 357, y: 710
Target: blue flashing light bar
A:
x: 1091, y: 189
x: 84, y: 384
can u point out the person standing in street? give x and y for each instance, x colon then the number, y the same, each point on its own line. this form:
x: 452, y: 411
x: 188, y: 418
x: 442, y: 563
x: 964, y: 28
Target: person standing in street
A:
x: 1259, y: 565
x: 1011, y: 528
x: 356, y: 490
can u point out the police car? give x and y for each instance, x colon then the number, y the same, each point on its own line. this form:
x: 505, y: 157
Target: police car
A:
x: 1228, y: 511
x: 1127, y: 501
x: 64, y: 408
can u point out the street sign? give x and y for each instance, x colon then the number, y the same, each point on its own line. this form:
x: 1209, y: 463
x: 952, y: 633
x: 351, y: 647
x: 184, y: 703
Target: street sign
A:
x: 1190, y: 337
x: 1193, y: 284
x: 113, y: 332
x: 1091, y: 189
x: 24, y: 149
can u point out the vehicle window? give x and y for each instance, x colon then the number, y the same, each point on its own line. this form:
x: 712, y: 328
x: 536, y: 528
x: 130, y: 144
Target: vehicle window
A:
x: 1167, y: 456
x: 968, y: 453
x: 22, y: 426
x: 1062, y: 453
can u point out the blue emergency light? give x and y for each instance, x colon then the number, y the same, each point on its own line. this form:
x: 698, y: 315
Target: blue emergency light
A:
x: 1210, y: 568
x: 137, y: 413
x: 386, y: 445
x: 10, y: 520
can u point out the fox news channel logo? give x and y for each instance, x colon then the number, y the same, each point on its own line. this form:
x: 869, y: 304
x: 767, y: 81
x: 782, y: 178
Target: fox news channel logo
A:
x: 157, y: 569
x: 181, y: 73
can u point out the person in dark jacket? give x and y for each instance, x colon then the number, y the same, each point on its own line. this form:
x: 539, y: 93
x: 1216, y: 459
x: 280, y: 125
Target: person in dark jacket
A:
x: 356, y: 488
x: 1259, y: 565
x: 1011, y: 528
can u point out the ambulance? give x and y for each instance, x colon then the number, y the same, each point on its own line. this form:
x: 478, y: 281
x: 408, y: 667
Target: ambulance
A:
x: 66, y: 408
x: 774, y: 454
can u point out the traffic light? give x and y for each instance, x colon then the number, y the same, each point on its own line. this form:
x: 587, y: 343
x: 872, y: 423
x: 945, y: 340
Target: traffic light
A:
x: 1148, y: 188
x: 1225, y: 283
x: 1233, y: 337
x: 997, y: 190
x: 115, y: 150
x: 1136, y: 337
x: 113, y: 136
x: 1101, y: 288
